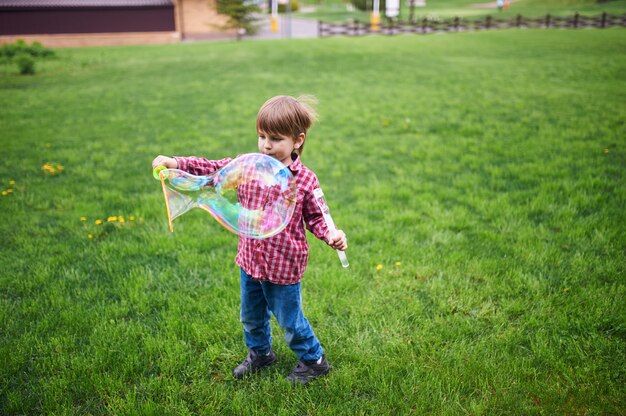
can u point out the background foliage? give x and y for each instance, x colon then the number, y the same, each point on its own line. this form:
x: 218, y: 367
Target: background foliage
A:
x: 242, y: 14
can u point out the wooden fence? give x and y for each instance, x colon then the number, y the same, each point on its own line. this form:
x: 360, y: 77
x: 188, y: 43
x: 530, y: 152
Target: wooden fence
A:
x: 425, y: 26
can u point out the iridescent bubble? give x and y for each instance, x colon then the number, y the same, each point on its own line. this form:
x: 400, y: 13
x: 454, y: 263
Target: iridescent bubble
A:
x: 253, y: 196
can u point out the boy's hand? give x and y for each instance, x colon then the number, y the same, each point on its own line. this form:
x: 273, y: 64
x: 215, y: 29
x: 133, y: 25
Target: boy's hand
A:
x: 337, y: 240
x: 168, y: 162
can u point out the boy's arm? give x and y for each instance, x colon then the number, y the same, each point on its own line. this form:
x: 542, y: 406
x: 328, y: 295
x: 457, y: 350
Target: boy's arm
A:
x: 313, y: 217
x: 315, y: 222
x: 311, y: 213
x: 200, y: 166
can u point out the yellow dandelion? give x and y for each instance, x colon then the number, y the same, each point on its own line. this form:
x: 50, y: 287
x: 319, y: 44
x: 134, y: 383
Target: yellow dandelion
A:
x: 4, y: 193
x: 386, y: 123
x: 379, y: 267
x: 112, y: 219
x: 98, y: 222
x: 398, y: 264
x: 11, y: 182
x: 83, y: 219
x: 140, y: 219
x: 9, y: 191
x: 132, y: 218
x: 49, y: 169
x: 606, y: 151
x: 60, y: 167
x: 121, y: 219
x: 89, y: 235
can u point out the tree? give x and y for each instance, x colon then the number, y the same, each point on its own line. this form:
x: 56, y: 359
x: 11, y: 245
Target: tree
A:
x: 242, y: 14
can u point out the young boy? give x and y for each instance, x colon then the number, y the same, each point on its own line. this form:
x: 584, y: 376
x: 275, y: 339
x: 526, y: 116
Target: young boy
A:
x: 271, y: 269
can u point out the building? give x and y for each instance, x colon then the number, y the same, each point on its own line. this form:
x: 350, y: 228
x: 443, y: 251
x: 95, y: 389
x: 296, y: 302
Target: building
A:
x: 67, y: 23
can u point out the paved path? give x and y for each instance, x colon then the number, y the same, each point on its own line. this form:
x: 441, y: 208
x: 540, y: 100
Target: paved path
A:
x: 287, y: 28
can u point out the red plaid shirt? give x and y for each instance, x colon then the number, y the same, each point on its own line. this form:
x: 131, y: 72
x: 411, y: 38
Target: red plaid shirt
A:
x: 280, y: 259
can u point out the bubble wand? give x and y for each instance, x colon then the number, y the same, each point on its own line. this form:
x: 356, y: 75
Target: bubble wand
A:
x: 321, y: 202
x: 156, y: 172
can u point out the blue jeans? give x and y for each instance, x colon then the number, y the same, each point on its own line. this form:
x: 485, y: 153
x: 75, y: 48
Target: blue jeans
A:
x: 258, y: 300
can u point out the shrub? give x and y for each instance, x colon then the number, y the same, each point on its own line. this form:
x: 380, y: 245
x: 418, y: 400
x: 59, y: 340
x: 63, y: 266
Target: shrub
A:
x: 36, y: 49
x: 24, y: 55
x: 9, y: 50
x: 25, y: 63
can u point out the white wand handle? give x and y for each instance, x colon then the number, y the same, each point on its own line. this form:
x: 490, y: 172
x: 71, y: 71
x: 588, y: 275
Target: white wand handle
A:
x: 321, y: 202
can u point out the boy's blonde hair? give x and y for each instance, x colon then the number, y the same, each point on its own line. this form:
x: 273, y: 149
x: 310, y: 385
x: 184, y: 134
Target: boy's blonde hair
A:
x: 287, y: 116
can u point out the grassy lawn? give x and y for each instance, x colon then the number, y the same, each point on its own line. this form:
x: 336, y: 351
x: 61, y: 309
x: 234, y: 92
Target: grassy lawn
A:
x: 479, y: 178
x: 336, y: 10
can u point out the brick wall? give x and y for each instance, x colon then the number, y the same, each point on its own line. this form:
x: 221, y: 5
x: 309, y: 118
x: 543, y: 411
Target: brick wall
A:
x: 199, y: 19
x: 96, y: 39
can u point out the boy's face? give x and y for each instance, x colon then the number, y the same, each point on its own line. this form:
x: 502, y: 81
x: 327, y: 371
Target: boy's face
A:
x: 278, y: 146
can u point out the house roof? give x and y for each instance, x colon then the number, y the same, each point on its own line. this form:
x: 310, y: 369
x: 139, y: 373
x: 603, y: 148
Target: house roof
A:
x: 19, y: 4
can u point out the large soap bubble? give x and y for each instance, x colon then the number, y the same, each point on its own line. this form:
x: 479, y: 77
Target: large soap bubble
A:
x: 253, y: 196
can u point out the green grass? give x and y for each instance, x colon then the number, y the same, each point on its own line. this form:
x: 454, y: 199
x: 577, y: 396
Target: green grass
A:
x: 491, y: 166
x: 336, y: 11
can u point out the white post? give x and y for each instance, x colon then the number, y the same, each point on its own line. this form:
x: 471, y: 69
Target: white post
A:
x: 392, y: 8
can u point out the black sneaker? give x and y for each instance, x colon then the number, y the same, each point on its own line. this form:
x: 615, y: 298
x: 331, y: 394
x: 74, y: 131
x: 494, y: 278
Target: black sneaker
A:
x: 303, y: 373
x: 253, y: 363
